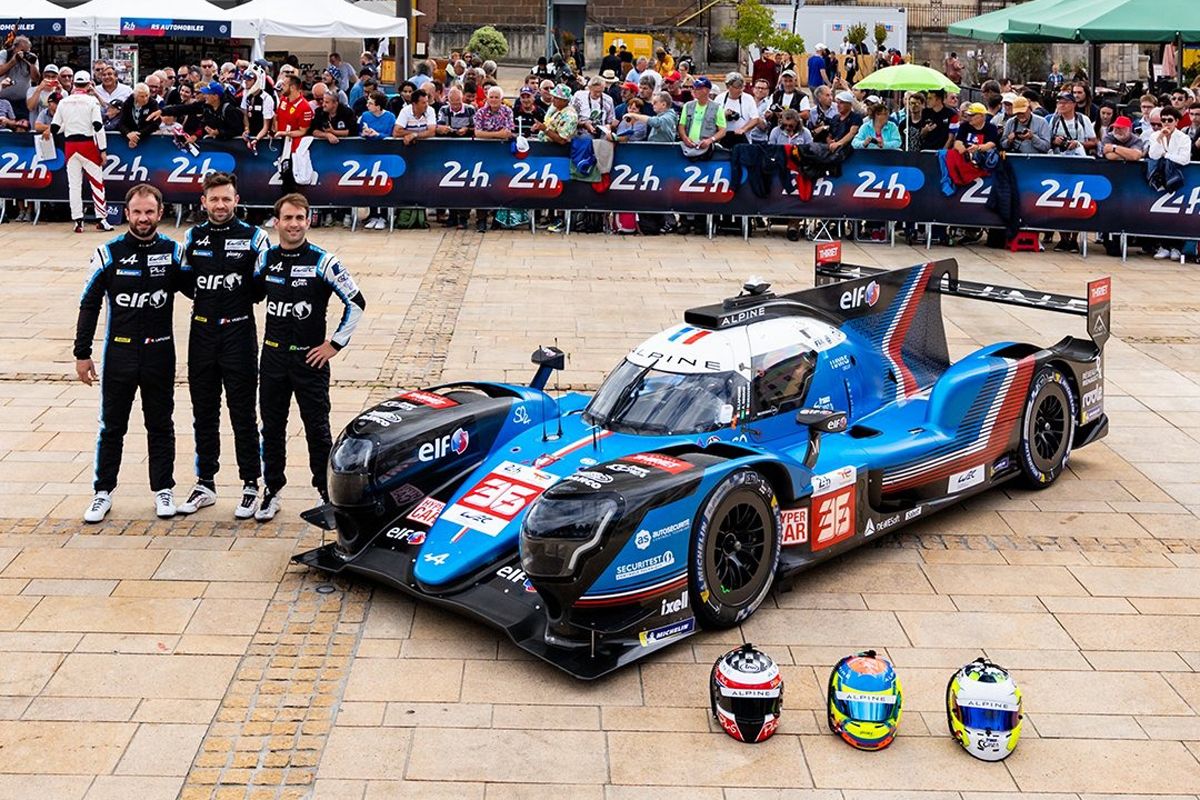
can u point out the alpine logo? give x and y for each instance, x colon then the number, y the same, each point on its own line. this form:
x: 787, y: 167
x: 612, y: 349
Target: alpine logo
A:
x: 129, y: 259
x: 142, y: 300
x: 202, y: 242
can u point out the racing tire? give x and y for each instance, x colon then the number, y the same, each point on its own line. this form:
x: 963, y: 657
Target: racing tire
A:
x: 734, y: 550
x: 1047, y: 428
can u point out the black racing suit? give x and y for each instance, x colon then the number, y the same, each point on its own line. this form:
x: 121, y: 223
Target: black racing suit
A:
x: 223, y: 347
x: 297, y: 285
x: 139, y: 279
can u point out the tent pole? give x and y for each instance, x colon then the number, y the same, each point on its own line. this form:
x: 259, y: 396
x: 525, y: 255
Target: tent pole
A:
x: 95, y: 49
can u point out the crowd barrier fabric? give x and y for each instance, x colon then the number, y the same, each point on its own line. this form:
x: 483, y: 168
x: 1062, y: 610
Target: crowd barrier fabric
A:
x: 1056, y: 193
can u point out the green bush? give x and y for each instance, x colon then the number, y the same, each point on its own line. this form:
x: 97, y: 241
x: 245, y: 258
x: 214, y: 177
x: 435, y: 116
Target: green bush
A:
x: 488, y: 43
x: 857, y: 34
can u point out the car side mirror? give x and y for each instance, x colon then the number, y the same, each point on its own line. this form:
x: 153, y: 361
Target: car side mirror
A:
x: 819, y: 421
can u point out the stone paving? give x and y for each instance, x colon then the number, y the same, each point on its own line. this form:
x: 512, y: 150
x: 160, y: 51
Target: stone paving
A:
x: 147, y: 659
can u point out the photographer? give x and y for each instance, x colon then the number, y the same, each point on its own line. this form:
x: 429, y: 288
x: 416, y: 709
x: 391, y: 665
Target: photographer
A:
x: 18, y: 71
x: 741, y: 110
x: 1024, y: 131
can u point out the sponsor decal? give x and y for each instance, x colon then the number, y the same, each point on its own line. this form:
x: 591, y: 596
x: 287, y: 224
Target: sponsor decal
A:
x: 882, y: 525
x: 429, y: 399
x: 960, y: 481
x: 870, y: 529
x: 831, y: 481
x: 159, y: 259
x: 129, y: 259
x: 403, y: 495
x: 229, y: 281
x: 659, y: 461
x: 384, y: 419
x: 833, y: 515
x: 645, y: 566
x: 407, y: 535
x: 742, y: 316
x: 342, y: 280
x: 521, y: 416
x: 1093, y: 400
x: 794, y: 526
x: 587, y: 462
x: 674, y: 606
x: 427, y: 511
x: 304, y: 271
x: 129, y: 273
x: 452, y: 443
x: 860, y: 296
x: 657, y: 635
x: 829, y: 253
x: 438, y: 559
x: 643, y: 538
x: 863, y: 697
x: 235, y: 245
x: 688, y: 335
x: 277, y: 267
x: 840, y: 362
x: 275, y: 279
x: 142, y: 300
x: 1002, y: 463
x: 1099, y: 291
x: 913, y: 513
x: 628, y: 469
x: 202, y: 253
x: 497, y: 499
x: 278, y: 308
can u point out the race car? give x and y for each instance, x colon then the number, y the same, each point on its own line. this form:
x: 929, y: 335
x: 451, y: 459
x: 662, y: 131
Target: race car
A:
x: 760, y: 436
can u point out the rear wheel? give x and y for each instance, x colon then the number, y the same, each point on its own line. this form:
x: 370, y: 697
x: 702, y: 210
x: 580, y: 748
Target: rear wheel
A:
x: 1047, y: 428
x: 735, y: 550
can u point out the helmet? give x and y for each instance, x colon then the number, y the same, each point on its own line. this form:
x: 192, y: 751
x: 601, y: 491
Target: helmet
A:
x: 746, y: 691
x: 865, y: 701
x: 983, y: 709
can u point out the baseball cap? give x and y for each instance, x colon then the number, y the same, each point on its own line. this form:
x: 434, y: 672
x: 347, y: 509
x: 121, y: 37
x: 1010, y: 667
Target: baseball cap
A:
x: 114, y: 103
x: 673, y: 77
x: 83, y: 77
x: 873, y: 99
x: 788, y: 73
x: 1065, y: 96
x: 213, y: 87
x: 1021, y: 104
x: 526, y: 90
x: 1122, y: 122
x: 976, y: 108
x: 50, y: 69
x: 821, y: 46
x: 702, y: 83
x: 630, y: 85
x: 1008, y: 97
x: 844, y: 96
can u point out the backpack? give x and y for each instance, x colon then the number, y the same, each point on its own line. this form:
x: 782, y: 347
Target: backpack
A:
x: 411, y: 218
x: 650, y: 224
x: 509, y: 218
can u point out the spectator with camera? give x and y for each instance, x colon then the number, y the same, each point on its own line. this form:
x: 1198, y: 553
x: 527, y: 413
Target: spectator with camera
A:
x: 18, y: 71
x: 1025, y: 132
x: 877, y: 132
x: 663, y: 125
x: 457, y: 117
x: 741, y: 110
x: 593, y: 106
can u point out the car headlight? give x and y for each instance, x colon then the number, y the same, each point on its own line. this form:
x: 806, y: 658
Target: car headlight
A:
x: 349, y: 471
x: 557, y: 532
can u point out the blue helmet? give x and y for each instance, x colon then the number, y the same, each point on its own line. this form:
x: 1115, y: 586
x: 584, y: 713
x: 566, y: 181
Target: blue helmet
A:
x: 865, y: 701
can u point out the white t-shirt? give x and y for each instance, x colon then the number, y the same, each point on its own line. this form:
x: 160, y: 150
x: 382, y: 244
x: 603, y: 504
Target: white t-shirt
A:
x: 744, y: 107
x: 120, y: 92
x: 406, y: 120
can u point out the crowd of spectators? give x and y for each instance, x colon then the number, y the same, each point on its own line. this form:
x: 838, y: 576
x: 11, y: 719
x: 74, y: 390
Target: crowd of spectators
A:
x: 629, y: 99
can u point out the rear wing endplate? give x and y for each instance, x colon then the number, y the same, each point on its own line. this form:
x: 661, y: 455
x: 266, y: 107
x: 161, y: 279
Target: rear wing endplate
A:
x: 1096, y: 306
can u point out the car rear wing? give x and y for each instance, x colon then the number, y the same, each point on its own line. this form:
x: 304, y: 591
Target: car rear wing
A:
x: 1096, y: 306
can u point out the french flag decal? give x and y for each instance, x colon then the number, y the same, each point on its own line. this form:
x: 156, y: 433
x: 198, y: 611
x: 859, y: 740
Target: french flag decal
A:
x: 688, y: 335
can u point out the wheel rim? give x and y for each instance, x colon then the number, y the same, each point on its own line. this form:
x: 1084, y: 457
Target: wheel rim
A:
x: 736, y: 554
x: 1049, y: 431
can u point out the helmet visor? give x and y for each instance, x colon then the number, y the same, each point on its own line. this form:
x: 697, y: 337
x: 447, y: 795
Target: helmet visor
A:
x: 988, y: 719
x: 864, y: 707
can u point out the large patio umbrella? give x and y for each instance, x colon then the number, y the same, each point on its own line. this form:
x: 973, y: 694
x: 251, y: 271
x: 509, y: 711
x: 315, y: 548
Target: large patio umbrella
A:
x: 906, y: 78
x: 995, y: 26
x: 1115, y: 21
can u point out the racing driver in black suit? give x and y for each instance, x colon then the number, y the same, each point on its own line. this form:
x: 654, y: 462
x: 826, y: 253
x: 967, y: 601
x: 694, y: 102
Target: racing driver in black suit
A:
x: 297, y: 278
x: 137, y: 274
x: 223, y: 347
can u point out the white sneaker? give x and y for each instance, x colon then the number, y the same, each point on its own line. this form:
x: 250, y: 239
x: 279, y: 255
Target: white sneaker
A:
x: 98, y: 508
x: 269, y: 508
x: 201, y: 497
x: 1175, y: 254
x: 248, y: 504
x: 164, y: 504
x: 1162, y: 252
x: 377, y: 224
x: 346, y: 221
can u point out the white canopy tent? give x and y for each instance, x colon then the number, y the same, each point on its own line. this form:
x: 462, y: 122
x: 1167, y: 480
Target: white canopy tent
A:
x: 121, y: 18
x: 315, y: 19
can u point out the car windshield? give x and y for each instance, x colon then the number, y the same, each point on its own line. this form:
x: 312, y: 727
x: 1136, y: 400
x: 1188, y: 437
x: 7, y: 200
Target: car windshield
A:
x: 636, y: 399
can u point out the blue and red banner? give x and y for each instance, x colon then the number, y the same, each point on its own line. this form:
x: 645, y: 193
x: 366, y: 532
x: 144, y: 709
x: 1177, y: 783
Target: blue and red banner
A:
x: 1056, y: 193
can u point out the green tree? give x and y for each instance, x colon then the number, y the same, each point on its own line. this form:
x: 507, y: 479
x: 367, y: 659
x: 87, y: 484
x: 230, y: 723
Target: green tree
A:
x: 1028, y: 62
x: 881, y: 34
x: 857, y: 34
x: 488, y: 43
x: 787, y: 42
x: 754, y: 26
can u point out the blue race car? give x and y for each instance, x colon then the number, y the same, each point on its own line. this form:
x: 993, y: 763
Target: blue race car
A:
x: 763, y: 435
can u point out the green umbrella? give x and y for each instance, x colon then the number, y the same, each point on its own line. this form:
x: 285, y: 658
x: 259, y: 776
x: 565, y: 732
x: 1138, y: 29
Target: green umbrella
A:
x: 1103, y: 21
x: 906, y: 78
x: 996, y: 26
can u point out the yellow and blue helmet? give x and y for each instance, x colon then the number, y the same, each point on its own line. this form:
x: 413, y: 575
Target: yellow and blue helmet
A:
x: 865, y: 701
x: 983, y: 709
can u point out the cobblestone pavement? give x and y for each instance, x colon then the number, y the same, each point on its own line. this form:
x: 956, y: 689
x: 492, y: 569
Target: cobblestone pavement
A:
x: 146, y: 659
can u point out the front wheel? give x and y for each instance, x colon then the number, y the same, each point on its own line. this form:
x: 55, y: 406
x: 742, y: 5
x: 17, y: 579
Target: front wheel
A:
x: 1047, y: 428
x: 735, y: 550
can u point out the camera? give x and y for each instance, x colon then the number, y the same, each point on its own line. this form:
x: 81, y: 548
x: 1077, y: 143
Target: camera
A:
x: 732, y: 116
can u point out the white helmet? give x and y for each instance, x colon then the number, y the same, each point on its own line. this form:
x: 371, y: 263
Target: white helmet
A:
x: 983, y: 709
